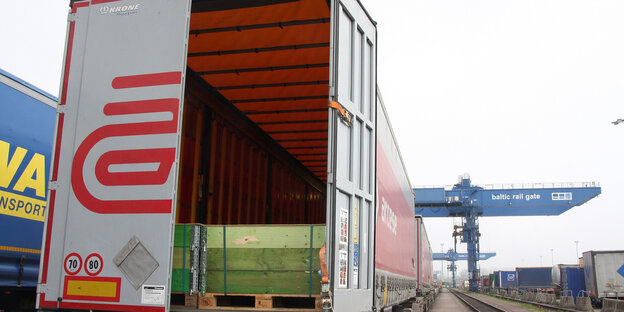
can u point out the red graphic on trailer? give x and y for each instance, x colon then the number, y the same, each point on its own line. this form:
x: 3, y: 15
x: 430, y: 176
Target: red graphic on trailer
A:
x: 164, y: 157
x: 395, y: 248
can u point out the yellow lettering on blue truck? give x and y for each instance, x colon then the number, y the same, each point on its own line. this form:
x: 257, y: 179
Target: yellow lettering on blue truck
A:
x: 33, y: 177
x: 8, y: 167
x: 36, y: 167
x: 22, y: 206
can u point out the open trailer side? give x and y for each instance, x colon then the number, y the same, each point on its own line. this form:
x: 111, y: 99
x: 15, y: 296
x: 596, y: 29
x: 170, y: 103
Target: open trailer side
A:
x: 222, y: 113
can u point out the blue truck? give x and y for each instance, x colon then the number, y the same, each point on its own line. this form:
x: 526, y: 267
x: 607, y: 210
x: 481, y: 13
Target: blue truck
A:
x: 27, y: 125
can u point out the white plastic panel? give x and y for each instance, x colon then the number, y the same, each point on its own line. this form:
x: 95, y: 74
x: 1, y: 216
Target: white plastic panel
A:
x: 109, y: 225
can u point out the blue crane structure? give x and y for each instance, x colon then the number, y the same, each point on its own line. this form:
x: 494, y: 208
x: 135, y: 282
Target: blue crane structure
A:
x: 470, y: 202
x: 451, y: 255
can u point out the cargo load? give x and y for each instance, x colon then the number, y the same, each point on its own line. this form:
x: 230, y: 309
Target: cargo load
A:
x: 263, y: 259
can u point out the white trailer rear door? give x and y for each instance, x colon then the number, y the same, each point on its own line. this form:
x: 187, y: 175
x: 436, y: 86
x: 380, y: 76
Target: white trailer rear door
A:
x: 351, y: 182
x: 113, y: 187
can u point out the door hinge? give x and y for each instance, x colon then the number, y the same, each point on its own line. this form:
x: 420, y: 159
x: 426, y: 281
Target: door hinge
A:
x: 61, y: 109
x: 71, y: 17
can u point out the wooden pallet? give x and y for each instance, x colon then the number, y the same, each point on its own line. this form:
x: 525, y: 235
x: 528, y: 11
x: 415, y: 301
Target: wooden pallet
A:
x: 239, y: 302
x: 184, y: 300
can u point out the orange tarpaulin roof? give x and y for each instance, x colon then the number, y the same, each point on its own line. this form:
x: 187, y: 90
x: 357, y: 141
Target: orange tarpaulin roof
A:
x: 272, y: 62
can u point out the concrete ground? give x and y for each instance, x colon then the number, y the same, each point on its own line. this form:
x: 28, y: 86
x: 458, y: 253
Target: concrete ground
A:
x: 445, y: 301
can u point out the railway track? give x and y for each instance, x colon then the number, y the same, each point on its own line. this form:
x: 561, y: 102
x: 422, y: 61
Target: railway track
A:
x: 475, y: 304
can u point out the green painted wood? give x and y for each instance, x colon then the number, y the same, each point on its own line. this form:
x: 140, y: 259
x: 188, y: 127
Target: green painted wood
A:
x: 180, y: 280
x: 183, y: 234
x: 265, y: 236
x: 272, y: 259
x: 256, y: 282
x: 263, y: 259
x: 180, y: 273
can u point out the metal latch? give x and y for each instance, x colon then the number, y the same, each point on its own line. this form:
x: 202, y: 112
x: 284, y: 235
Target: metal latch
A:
x: 345, y: 115
x: 326, y: 300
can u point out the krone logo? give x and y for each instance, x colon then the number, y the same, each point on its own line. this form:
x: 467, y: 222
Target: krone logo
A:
x: 121, y: 9
x: 132, y: 158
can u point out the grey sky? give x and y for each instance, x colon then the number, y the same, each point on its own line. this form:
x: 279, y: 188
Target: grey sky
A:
x: 508, y: 91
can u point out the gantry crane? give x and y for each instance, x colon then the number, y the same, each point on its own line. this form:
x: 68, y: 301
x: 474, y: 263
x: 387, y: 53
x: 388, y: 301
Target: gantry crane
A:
x: 451, y: 255
x: 470, y: 202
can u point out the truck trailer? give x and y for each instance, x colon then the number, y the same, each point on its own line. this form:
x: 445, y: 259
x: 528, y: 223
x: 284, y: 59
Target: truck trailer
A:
x: 604, y: 274
x: 225, y: 113
x: 27, y: 116
x: 534, y: 278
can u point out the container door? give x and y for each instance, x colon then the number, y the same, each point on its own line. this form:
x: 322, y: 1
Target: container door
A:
x: 108, y: 231
x: 351, y: 179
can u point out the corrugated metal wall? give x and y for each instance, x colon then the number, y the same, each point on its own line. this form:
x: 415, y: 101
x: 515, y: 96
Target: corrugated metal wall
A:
x: 228, y: 178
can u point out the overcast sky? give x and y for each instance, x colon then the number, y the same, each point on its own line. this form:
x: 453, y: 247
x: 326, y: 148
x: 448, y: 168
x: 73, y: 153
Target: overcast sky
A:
x: 507, y: 91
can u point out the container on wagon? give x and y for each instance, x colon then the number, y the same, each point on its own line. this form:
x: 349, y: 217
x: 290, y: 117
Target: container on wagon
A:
x: 534, y: 277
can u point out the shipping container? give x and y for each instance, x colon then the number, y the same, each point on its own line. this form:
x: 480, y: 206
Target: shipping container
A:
x: 496, y: 280
x: 226, y: 114
x: 27, y: 116
x: 485, y: 282
x: 604, y: 273
x: 505, y: 279
x: 534, y: 277
x: 568, y: 279
x: 573, y: 281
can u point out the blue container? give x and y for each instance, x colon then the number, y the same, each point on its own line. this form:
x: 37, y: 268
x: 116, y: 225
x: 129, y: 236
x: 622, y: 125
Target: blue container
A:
x: 534, y: 277
x: 507, y: 279
x: 496, y: 282
x: 27, y: 125
x: 572, y: 280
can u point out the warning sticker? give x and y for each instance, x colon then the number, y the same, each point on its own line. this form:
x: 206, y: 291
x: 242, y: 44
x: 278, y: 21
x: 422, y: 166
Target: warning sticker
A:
x: 343, y: 266
x: 344, y: 226
x: 153, y: 294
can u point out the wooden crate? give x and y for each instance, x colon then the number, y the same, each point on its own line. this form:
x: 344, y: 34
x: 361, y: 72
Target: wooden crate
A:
x: 263, y: 259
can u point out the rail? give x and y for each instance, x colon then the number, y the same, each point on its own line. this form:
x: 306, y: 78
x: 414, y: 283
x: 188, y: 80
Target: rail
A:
x: 475, y: 304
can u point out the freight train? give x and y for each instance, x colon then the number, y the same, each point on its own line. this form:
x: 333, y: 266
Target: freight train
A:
x: 27, y: 116
x: 226, y: 114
